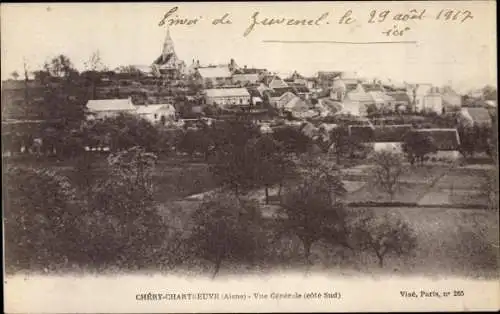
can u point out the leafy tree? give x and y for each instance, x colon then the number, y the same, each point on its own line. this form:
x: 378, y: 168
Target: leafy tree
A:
x: 490, y: 92
x: 467, y: 141
x: 292, y: 140
x: 225, y: 229
x: 271, y: 163
x: 383, y: 235
x: 39, y: 219
x: 314, y: 209
x: 196, y: 141
x: 387, y: 170
x: 232, y: 163
x: 60, y: 67
x: 122, y: 226
x: 417, y: 145
x: 125, y: 131
x: 15, y: 75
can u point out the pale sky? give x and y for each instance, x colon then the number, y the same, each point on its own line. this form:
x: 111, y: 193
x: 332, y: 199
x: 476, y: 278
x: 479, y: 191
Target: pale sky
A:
x: 461, y: 54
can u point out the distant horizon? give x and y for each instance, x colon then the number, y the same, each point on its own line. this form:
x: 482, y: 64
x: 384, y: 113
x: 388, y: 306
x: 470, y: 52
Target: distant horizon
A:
x: 464, y: 59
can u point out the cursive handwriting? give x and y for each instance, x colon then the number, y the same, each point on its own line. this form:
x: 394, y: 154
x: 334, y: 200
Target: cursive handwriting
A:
x: 284, y: 21
x: 176, y: 20
x: 400, y: 20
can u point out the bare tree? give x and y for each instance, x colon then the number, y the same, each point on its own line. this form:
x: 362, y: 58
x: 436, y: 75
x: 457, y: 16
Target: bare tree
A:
x: 383, y: 234
x: 94, y: 63
x: 387, y: 171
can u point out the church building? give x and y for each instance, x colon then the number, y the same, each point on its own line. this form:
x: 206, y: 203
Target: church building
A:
x: 168, y: 65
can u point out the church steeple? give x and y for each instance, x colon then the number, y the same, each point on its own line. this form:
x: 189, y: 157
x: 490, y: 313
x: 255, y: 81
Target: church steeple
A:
x: 168, y: 45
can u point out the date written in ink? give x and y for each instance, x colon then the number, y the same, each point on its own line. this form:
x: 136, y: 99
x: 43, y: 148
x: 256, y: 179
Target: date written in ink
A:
x: 431, y: 294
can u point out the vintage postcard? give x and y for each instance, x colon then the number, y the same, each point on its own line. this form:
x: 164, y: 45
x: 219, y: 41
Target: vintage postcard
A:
x: 250, y: 157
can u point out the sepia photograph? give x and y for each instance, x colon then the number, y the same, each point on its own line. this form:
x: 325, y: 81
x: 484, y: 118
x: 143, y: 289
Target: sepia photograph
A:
x: 250, y: 156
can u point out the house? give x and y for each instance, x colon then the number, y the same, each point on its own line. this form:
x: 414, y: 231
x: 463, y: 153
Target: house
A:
x: 382, y: 100
x: 401, y: 100
x: 160, y: 113
x: 283, y: 100
x: 390, y: 137
x: 227, y: 98
x: 447, y: 142
x: 380, y: 138
x: 433, y: 101
x: 245, y: 79
x: 275, y: 94
x: 356, y: 102
x: 273, y: 81
x: 452, y: 101
x: 373, y: 87
x: 301, y: 90
x: 108, y: 108
x: 327, y: 106
x: 427, y: 98
x: 256, y: 97
x: 191, y: 70
x: 326, y: 78
x: 479, y: 116
x: 298, y: 108
x: 213, y: 76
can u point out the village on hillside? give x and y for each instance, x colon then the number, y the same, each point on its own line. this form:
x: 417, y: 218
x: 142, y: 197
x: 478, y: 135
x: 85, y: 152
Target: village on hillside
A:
x: 221, y: 167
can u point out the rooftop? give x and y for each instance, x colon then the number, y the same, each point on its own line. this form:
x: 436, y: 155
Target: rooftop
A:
x: 214, y: 72
x: 445, y: 139
x: 148, y: 109
x: 111, y: 105
x: 227, y: 92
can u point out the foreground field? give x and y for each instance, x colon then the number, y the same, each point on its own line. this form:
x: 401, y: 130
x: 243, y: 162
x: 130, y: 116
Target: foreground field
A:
x: 450, y: 241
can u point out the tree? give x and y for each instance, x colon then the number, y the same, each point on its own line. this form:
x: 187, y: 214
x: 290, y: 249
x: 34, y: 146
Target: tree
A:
x: 340, y: 141
x: 490, y: 92
x: 383, y: 234
x: 125, y: 131
x: 39, y: 219
x: 313, y: 208
x: 417, y: 145
x: 196, y: 141
x: 122, y: 226
x: 387, y: 170
x: 232, y: 163
x: 93, y: 71
x: 15, y: 75
x: 293, y: 141
x: 94, y: 63
x: 60, y: 67
x: 225, y: 228
x: 271, y: 163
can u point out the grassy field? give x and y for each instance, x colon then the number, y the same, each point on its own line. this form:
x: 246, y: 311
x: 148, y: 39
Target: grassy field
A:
x: 175, y: 177
x: 451, y: 241
x: 427, y: 185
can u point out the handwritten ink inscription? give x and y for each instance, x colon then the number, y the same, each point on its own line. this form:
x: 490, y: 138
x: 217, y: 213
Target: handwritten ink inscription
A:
x: 257, y: 20
x: 402, y: 22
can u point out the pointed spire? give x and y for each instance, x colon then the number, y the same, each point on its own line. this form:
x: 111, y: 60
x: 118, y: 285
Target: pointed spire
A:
x: 168, y: 45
